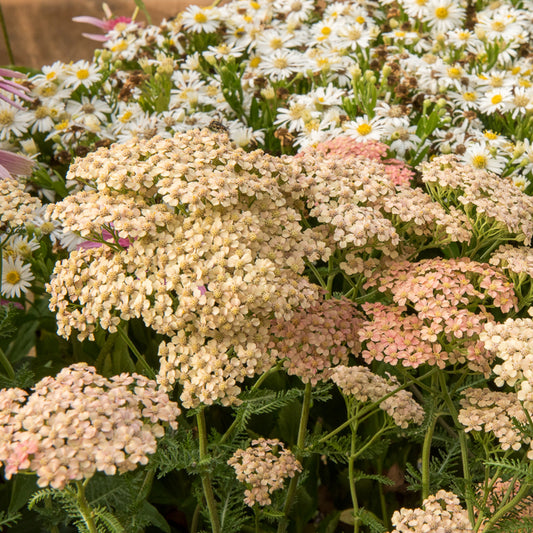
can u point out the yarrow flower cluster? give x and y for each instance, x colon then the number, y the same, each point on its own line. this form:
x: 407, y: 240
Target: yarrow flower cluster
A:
x: 214, y: 252
x: 79, y: 422
x: 494, y: 412
x: 362, y: 384
x: 430, y: 311
x: 512, y: 345
x: 440, y: 512
x: 264, y: 467
x: 313, y: 341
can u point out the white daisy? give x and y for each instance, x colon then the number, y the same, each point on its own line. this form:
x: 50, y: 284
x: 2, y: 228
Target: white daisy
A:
x: 400, y: 136
x: 444, y: 15
x: 20, y: 246
x: 479, y: 155
x: 365, y: 129
x: 200, y: 19
x: 82, y: 73
x: 298, y: 9
x: 13, y: 121
x: 16, y: 277
x: 495, y: 100
x: 299, y: 112
x: 282, y: 64
x: 466, y: 99
x: 521, y: 102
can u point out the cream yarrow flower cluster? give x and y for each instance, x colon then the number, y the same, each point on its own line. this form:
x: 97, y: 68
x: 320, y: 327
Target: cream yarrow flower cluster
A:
x: 362, y: 384
x: 79, y: 422
x: 204, y: 248
x: 440, y: 512
x: 264, y: 467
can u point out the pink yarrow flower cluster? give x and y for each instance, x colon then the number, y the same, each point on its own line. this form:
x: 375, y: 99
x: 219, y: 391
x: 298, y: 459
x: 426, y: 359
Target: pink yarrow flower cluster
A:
x: 314, y: 340
x: 264, y: 467
x: 346, y: 147
x: 430, y: 320
x: 79, y: 422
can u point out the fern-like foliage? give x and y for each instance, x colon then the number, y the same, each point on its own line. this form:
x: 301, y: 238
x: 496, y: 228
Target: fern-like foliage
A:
x: 8, y: 315
x: 24, y: 378
x: 370, y: 520
x: 513, y: 468
x: 176, y: 452
x: 8, y: 519
x: 521, y: 524
x: 336, y: 448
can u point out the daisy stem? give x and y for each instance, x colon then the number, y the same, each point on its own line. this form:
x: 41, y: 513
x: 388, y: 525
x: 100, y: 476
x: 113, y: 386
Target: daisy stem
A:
x: 206, y: 478
x: 302, y: 430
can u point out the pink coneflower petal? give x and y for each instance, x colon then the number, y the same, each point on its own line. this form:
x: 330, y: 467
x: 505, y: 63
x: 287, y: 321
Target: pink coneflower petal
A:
x: 95, y: 37
x: 14, y: 164
x: 99, y: 23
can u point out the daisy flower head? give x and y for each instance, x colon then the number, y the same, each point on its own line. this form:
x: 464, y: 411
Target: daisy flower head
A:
x: 444, y: 15
x: 365, y: 129
x: 400, y: 136
x: 16, y: 277
x: 480, y: 156
x: 299, y: 112
x: 299, y: 10
x: 521, y: 102
x: 503, y: 24
x: 268, y: 41
x: 20, y: 246
x: 13, y: 121
x: 282, y: 64
x: 466, y: 99
x: 495, y: 100
x: 201, y: 19
x: 416, y: 8
x: 82, y: 73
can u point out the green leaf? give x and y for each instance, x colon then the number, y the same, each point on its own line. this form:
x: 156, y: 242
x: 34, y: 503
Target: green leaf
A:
x: 142, y: 7
x: 22, y: 488
x: 153, y: 516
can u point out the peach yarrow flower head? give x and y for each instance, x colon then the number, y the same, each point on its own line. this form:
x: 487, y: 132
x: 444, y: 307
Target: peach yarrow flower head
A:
x: 439, y: 512
x: 215, y: 252
x: 360, y: 383
x: 264, y: 466
x: 79, y: 422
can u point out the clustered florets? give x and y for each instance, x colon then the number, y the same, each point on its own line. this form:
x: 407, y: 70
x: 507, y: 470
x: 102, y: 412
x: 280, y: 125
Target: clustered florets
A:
x: 430, y: 310
x: 17, y: 207
x: 264, y: 467
x: 314, y: 340
x: 439, y: 513
x: 365, y: 386
x: 214, y: 252
x: 79, y: 422
x: 494, y: 412
x: 481, y: 192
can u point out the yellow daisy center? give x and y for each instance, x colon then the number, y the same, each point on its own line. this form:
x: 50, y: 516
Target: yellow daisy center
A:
x: 254, y: 62
x: 454, y: 72
x: 280, y: 62
x: 496, y: 99
x: 200, y: 18
x: 82, y: 74
x: 469, y: 96
x: 326, y: 30
x: 360, y: 19
x: 255, y: 5
x: 364, y: 129
x: 13, y: 277
x: 51, y: 75
x: 441, y: 12
x: 491, y: 135
x: 479, y: 161
x: 6, y: 117
x: 498, y: 26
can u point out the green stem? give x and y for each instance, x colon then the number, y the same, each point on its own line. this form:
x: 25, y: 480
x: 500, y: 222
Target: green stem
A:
x: 351, y: 472
x: 255, y: 386
x: 4, y: 362
x: 302, y: 430
x: 85, y: 509
x: 140, y: 358
x: 6, y: 37
x: 426, y: 453
x: 462, y: 441
x: 509, y: 506
x: 206, y: 478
